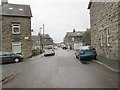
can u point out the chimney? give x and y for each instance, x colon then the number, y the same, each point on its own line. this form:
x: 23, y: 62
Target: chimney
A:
x: 73, y: 30
x: 4, y: 2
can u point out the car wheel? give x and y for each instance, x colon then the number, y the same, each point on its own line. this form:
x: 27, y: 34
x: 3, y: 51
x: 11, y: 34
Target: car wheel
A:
x: 16, y: 60
x: 95, y: 58
x: 76, y: 57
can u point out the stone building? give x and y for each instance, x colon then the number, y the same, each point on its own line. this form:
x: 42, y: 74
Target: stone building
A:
x: 16, y: 28
x: 35, y: 42
x: 46, y: 39
x: 41, y: 40
x: 72, y: 39
x: 105, y: 28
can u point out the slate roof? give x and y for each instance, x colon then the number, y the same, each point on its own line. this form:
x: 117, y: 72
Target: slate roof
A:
x: 35, y: 38
x: 45, y: 36
x: 15, y: 10
x: 77, y: 33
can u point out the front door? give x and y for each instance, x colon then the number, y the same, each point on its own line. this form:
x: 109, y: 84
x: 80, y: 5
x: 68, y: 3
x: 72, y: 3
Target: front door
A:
x: 16, y: 47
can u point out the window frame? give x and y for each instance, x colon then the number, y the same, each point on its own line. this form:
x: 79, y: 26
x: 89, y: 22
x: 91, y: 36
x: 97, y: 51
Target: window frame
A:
x: 108, y: 37
x: 15, y: 26
x: 101, y: 38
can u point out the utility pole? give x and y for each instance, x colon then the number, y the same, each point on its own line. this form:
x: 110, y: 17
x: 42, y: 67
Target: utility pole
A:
x: 43, y: 30
x: 43, y: 43
x: 40, y: 40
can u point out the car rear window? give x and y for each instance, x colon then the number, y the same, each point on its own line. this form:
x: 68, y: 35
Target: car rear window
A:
x: 0, y: 53
x: 87, y: 48
x: 84, y: 48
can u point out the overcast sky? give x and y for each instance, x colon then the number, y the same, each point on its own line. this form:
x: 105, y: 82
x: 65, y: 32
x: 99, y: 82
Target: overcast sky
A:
x: 59, y: 16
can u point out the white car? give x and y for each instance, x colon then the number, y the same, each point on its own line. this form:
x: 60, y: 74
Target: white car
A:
x: 49, y: 50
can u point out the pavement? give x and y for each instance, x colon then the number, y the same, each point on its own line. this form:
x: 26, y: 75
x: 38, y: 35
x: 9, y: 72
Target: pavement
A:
x: 110, y: 64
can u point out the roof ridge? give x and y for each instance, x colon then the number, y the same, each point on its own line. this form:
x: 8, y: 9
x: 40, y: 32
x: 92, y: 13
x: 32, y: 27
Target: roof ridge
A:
x: 17, y: 4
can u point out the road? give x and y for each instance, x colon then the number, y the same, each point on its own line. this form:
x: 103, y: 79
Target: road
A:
x: 60, y: 71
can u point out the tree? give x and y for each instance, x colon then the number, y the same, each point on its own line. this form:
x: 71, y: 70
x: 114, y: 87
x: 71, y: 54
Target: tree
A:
x: 86, y: 38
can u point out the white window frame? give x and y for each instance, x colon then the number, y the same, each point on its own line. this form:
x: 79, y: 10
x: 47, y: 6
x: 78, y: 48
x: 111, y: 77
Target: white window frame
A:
x: 73, y: 39
x: 101, y: 41
x: 108, y: 37
x: 101, y: 38
x: 15, y: 26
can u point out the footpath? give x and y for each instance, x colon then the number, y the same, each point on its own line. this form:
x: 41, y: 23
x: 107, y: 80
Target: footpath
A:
x: 111, y: 64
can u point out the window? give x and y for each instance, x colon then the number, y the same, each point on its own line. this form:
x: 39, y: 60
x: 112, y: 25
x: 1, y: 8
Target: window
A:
x: 20, y: 9
x: 73, y: 39
x: 101, y: 38
x: 10, y: 8
x: 16, y: 28
x: 108, y: 37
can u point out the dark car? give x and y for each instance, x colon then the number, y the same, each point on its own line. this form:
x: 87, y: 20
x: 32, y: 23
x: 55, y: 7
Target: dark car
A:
x: 64, y: 47
x: 8, y: 57
x: 86, y: 52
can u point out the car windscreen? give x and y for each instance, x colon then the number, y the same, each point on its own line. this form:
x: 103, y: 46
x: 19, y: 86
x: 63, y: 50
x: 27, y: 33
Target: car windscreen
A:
x: 48, y: 47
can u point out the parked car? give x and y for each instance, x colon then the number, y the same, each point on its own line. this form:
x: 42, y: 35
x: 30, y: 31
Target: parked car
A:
x: 86, y: 52
x: 49, y: 50
x: 64, y: 47
x: 8, y: 57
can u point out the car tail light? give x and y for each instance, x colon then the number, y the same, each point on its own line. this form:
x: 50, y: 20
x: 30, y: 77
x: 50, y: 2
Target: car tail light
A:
x: 82, y: 52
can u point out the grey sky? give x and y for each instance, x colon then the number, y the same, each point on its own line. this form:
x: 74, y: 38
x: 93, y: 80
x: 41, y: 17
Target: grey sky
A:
x: 59, y: 16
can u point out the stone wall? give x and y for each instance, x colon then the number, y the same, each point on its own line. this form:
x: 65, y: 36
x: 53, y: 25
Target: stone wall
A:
x: 77, y: 39
x: 119, y: 31
x: 25, y: 31
x: 104, y: 17
x: 0, y: 33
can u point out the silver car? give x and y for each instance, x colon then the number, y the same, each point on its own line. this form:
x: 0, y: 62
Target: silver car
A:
x: 49, y: 50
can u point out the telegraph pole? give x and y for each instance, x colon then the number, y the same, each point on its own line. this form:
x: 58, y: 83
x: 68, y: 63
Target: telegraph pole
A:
x: 43, y: 30
x: 43, y: 43
x: 40, y: 39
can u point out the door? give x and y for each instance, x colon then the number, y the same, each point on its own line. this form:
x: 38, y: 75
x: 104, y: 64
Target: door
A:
x: 16, y: 47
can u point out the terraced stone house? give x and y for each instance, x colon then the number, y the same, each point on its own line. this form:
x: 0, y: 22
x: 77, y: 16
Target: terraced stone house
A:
x: 41, y: 40
x: 105, y: 28
x: 16, y: 28
x: 73, y: 39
